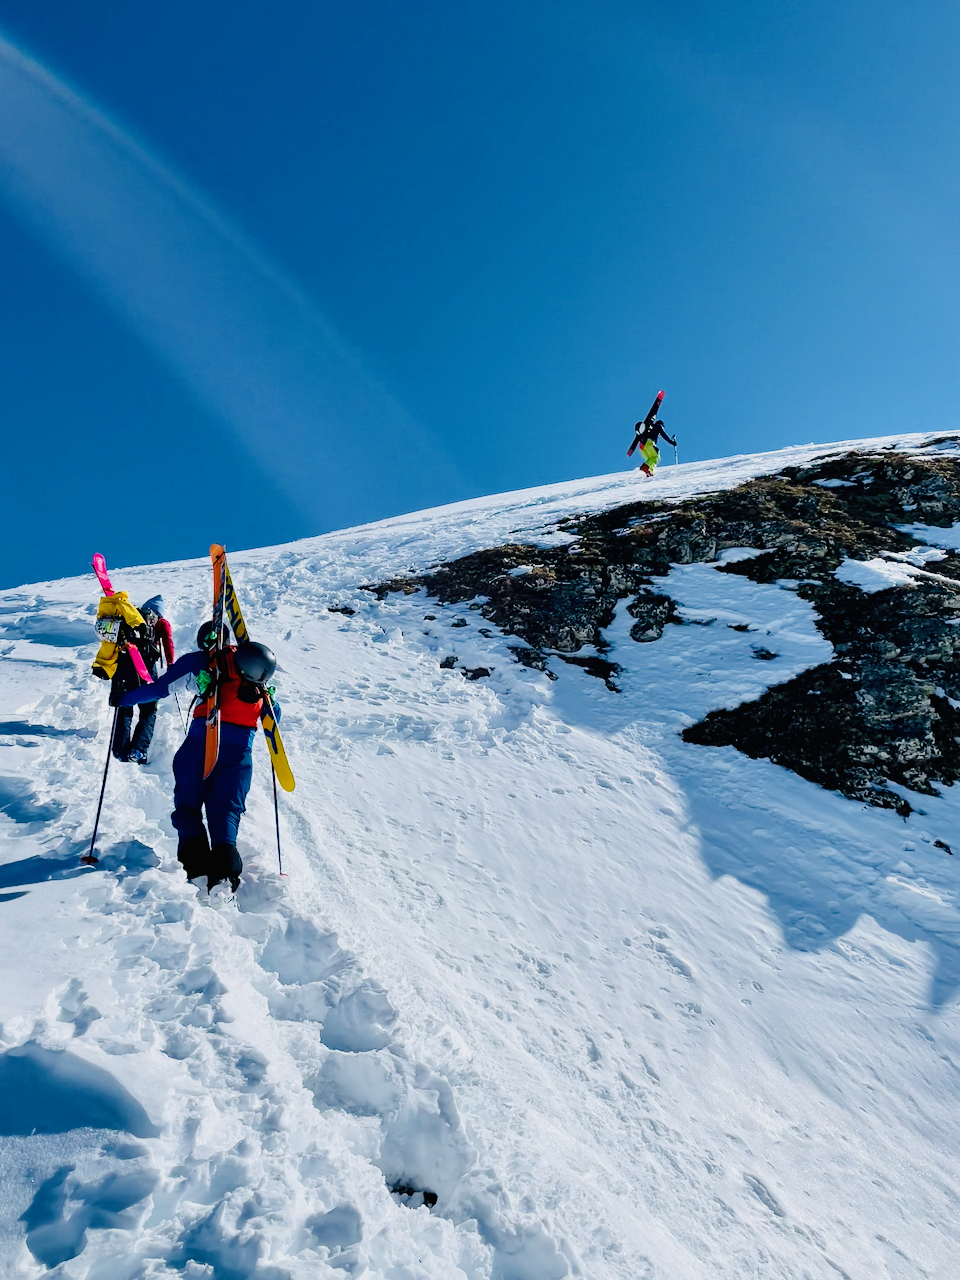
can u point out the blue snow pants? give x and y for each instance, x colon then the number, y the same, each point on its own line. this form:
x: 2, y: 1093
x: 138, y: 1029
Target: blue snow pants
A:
x: 223, y: 794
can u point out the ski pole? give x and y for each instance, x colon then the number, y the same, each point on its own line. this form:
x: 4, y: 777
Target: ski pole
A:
x: 89, y: 858
x: 676, y: 456
x: 176, y: 698
x: 276, y: 813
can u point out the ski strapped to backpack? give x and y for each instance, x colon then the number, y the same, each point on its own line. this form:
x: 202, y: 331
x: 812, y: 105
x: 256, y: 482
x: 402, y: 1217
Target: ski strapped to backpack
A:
x: 114, y: 613
x: 218, y: 557
x: 646, y: 423
x: 268, y: 718
x: 99, y: 566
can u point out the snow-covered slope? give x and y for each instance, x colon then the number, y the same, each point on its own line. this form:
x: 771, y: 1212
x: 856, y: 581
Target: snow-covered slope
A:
x: 627, y: 1006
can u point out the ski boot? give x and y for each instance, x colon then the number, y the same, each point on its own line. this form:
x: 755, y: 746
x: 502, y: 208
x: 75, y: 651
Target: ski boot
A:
x: 194, y: 856
x: 225, y: 864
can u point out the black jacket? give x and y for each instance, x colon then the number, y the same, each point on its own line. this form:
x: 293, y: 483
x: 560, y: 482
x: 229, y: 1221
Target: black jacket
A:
x: 654, y: 433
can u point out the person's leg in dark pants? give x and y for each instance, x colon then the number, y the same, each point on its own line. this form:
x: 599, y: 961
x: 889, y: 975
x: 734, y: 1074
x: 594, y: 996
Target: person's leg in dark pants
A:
x: 226, y: 794
x: 143, y: 734
x: 188, y: 795
x: 121, y: 734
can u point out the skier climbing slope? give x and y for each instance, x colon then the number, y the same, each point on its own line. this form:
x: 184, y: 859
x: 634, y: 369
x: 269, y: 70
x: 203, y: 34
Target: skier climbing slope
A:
x: 237, y: 680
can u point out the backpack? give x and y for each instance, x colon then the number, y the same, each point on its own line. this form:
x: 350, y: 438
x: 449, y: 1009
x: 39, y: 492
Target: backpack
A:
x: 117, y: 620
x: 148, y: 642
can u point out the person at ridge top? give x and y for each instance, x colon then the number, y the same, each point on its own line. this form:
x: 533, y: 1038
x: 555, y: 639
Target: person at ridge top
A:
x: 241, y: 671
x: 152, y: 640
x: 648, y: 444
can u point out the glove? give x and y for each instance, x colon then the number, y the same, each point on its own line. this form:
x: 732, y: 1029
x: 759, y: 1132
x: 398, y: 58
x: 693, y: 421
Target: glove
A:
x: 205, y: 682
x: 271, y: 691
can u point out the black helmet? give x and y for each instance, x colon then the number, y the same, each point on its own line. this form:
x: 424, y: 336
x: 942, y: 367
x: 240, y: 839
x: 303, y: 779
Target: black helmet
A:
x: 207, y: 635
x: 255, y: 662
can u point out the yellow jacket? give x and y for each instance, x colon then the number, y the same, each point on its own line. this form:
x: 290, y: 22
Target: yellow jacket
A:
x: 113, y: 610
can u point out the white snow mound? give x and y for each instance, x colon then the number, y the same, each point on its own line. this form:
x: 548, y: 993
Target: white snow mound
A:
x: 625, y: 1006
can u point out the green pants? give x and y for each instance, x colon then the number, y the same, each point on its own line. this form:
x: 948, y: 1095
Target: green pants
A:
x: 650, y: 453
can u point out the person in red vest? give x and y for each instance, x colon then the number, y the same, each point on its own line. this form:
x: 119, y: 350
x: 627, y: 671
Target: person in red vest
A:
x: 240, y: 672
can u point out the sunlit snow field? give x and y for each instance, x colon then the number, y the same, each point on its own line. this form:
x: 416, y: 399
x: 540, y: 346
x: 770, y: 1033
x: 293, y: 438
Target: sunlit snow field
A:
x: 629, y: 1007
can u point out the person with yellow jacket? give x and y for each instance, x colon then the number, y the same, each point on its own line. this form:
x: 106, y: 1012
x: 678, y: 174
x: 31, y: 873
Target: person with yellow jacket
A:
x: 123, y: 627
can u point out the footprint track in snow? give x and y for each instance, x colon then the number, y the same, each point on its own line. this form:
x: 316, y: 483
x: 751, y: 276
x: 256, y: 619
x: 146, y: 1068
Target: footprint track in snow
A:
x: 182, y: 979
x: 282, y: 1047
x: 336, y: 1052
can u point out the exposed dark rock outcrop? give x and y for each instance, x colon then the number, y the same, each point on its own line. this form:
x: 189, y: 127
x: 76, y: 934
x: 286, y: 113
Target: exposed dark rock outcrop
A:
x: 882, y: 712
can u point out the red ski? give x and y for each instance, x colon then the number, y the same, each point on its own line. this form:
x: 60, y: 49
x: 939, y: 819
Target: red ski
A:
x: 218, y: 557
x: 647, y: 422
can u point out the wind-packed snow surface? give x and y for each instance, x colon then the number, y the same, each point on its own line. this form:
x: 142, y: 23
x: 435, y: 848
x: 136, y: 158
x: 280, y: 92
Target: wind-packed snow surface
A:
x: 628, y: 1007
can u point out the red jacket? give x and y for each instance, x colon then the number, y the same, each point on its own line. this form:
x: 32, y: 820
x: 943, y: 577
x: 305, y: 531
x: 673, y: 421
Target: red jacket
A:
x: 163, y: 633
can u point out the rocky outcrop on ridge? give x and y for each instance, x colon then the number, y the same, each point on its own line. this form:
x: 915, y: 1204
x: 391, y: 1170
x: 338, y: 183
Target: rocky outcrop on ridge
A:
x: 885, y: 710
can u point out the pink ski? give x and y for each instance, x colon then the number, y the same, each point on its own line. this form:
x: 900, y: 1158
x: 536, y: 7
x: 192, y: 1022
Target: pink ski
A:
x: 138, y: 664
x: 100, y: 569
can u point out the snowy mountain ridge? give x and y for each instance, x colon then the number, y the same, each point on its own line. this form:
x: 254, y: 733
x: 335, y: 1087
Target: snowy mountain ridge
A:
x: 551, y: 988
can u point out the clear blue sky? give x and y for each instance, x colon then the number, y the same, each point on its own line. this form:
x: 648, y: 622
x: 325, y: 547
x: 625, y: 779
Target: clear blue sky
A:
x: 520, y: 218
